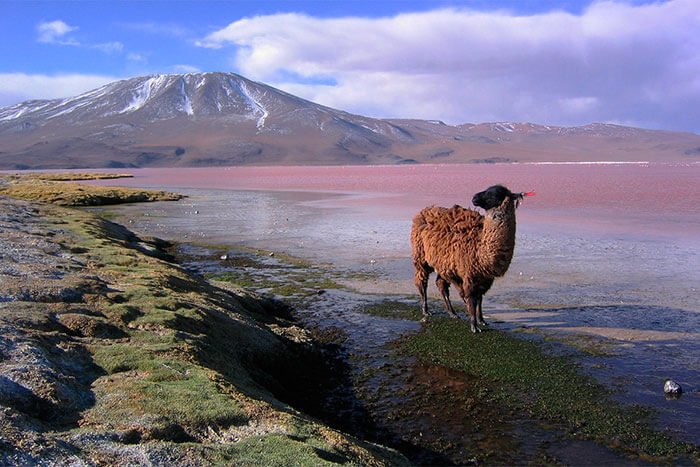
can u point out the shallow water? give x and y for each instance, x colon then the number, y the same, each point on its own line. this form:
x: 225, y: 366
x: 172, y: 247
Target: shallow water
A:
x: 387, y: 397
x: 610, y: 251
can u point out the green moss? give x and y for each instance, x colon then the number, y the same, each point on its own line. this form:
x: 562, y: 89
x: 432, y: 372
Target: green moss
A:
x: 281, y: 450
x: 520, y: 374
x: 242, y: 279
x: 64, y: 176
x: 584, y: 343
x: 46, y: 189
x: 187, y: 397
x: 394, y: 309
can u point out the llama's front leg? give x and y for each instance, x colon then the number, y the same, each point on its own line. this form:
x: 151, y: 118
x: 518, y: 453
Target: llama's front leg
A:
x: 480, y: 316
x: 421, y: 281
x: 444, y: 288
x: 472, y: 303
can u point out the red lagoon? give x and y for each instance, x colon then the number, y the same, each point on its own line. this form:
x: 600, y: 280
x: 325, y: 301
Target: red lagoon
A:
x: 635, y: 199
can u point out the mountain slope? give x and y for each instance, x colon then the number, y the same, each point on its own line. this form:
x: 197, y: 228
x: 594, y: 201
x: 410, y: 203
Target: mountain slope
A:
x: 225, y: 119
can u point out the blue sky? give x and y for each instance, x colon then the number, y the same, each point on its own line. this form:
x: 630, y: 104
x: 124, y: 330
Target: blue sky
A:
x: 551, y: 62
x: 159, y: 36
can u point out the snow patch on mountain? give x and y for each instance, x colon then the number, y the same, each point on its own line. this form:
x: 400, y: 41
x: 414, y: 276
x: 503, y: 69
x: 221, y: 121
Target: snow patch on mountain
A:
x: 253, y: 101
x: 149, y: 88
x: 13, y: 112
x: 186, y: 103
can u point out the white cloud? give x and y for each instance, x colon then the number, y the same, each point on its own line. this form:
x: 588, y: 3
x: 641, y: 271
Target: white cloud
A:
x: 18, y: 87
x: 613, y: 62
x: 578, y: 104
x: 108, y: 47
x: 136, y: 57
x: 55, y: 32
x: 58, y: 33
x: 185, y: 69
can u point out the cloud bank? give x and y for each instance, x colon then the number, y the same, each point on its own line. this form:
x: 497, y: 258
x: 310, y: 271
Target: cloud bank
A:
x: 615, y: 62
x: 18, y: 87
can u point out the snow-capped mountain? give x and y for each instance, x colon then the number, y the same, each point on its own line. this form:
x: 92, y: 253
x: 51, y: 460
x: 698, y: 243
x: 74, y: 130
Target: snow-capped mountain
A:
x: 192, y: 119
x: 226, y: 119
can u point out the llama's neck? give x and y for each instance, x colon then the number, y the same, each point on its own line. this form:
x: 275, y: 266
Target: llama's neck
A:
x: 497, y: 239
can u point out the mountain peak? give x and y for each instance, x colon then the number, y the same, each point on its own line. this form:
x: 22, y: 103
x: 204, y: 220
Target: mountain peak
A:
x: 218, y: 118
x: 157, y: 96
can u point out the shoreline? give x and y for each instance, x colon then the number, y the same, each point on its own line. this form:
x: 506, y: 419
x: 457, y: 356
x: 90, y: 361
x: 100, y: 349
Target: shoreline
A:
x: 117, y: 354
x: 329, y: 294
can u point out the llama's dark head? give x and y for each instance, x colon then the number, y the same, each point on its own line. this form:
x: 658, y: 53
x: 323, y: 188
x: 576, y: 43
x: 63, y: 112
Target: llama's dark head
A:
x: 493, y: 197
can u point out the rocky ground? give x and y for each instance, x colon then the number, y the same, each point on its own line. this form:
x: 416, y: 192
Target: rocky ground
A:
x: 112, y: 354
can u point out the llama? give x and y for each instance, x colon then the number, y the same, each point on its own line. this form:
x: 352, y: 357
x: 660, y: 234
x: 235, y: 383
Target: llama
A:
x: 465, y: 248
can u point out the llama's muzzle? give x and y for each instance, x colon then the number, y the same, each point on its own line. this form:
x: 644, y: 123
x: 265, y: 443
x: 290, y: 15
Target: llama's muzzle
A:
x: 519, y: 196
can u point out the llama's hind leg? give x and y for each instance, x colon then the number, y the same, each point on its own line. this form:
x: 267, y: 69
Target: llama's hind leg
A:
x: 444, y: 288
x: 421, y: 281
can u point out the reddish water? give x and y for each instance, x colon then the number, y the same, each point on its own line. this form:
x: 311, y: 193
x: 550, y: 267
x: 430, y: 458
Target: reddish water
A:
x: 634, y: 199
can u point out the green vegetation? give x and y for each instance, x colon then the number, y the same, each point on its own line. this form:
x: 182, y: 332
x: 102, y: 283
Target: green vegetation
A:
x: 394, y: 309
x: 67, y: 176
x: 281, y: 275
x: 192, y: 364
x: 281, y: 450
x: 54, y: 189
x: 520, y: 374
x: 584, y: 343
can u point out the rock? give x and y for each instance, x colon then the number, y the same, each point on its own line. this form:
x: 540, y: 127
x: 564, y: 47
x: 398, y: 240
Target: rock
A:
x: 672, y: 389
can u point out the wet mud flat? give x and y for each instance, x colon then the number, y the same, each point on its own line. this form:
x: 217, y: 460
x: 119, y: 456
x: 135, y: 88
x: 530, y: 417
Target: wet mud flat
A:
x: 432, y: 414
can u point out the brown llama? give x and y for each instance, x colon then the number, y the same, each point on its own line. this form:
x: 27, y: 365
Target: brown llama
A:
x: 465, y: 249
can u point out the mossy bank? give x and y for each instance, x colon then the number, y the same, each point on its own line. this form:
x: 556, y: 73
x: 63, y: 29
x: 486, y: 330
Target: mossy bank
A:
x: 522, y: 376
x: 61, y: 190
x: 116, y: 355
